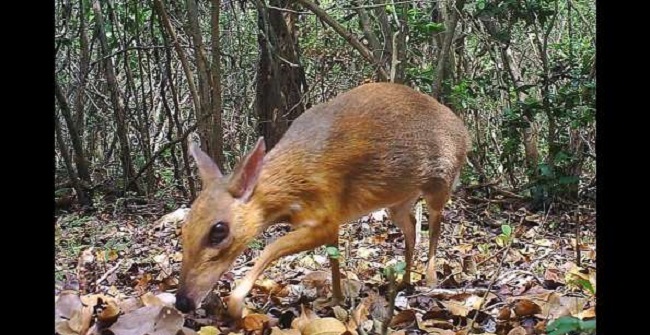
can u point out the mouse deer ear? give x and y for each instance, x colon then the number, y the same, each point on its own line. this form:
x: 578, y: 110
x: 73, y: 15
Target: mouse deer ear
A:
x: 245, y: 175
x: 208, y: 169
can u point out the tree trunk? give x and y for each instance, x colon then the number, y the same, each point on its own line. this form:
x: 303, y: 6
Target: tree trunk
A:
x: 83, y: 196
x: 272, y: 122
x: 210, y: 116
x: 79, y: 156
x: 118, y: 105
x: 398, y: 64
x: 280, y: 78
x: 530, y: 131
x: 443, y: 69
x: 380, y: 53
x: 216, y: 143
x: 174, y: 121
x: 164, y: 22
x: 84, y: 68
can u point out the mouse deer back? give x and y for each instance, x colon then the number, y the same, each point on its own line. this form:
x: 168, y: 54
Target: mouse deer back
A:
x: 379, y: 145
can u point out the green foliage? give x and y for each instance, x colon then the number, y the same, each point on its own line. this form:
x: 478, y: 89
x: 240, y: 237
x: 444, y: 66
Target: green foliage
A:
x: 557, y: 87
x: 567, y: 324
x: 421, y: 28
x: 419, y: 21
x: 423, y: 76
x: 392, y: 270
x: 333, y: 252
x: 505, y: 237
x: 585, y: 284
x: 463, y: 95
x: 506, y: 230
x: 400, y: 267
x: 256, y: 244
x: 514, y: 10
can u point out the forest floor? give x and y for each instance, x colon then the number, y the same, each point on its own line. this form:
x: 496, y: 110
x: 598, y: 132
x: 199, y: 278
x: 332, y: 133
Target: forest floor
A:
x: 502, y: 269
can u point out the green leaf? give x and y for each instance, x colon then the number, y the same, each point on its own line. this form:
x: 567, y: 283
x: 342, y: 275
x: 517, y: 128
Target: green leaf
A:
x: 562, y: 156
x: 501, y: 240
x: 545, y: 170
x: 564, y: 180
x: 389, y: 271
x: 506, y: 229
x: 400, y: 267
x: 567, y: 324
x: 588, y: 325
x: 434, y: 27
x: 585, y: 284
x: 333, y: 252
x: 563, y: 325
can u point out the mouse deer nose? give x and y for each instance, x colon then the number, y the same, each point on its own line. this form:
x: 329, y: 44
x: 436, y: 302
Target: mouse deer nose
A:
x: 184, y: 304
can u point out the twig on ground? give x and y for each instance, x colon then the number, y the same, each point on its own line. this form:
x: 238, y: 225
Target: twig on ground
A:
x: 108, y: 273
x: 496, y: 276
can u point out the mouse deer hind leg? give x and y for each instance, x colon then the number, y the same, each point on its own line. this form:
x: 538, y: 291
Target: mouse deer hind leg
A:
x: 436, y: 195
x: 401, y: 216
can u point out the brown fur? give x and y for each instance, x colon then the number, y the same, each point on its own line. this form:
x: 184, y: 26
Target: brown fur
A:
x: 379, y: 145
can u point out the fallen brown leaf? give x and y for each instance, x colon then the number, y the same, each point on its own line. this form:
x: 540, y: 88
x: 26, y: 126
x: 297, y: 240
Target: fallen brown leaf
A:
x: 403, y: 319
x: 438, y: 331
x: 588, y: 313
x: 278, y: 331
x: 255, y: 322
x: 324, y: 326
x: 142, y: 282
x: 554, y: 276
x: 437, y: 313
x: 317, y: 279
x: 525, y: 307
x: 66, y: 304
x: 504, y: 313
x: 109, y: 314
x: 154, y: 320
x: 78, y: 323
x: 544, y: 242
x: 130, y: 304
x: 456, y: 308
x: 463, y: 248
x: 168, y: 283
x: 517, y: 331
x: 209, y: 330
x: 340, y: 313
x: 266, y: 285
x: 321, y: 303
x: 305, y: 317
x: 366, y: 253
x: 148, y: 299
x: 438, y: 324
x: 95, y: 299
x: 351, y: 288
x: 359, y: 316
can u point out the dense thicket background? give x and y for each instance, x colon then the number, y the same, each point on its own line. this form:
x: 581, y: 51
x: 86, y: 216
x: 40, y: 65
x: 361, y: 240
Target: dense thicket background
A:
x: 134, y: 79
x: 137, y: 79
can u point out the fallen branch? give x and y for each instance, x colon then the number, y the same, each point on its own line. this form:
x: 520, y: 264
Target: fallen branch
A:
x: 108, y: 273
x: 496, y: 276
x: 509, y: 194
x: 445, y: 291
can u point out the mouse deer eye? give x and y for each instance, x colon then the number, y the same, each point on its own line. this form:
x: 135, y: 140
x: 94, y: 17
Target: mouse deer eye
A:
x: 218, y: 233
